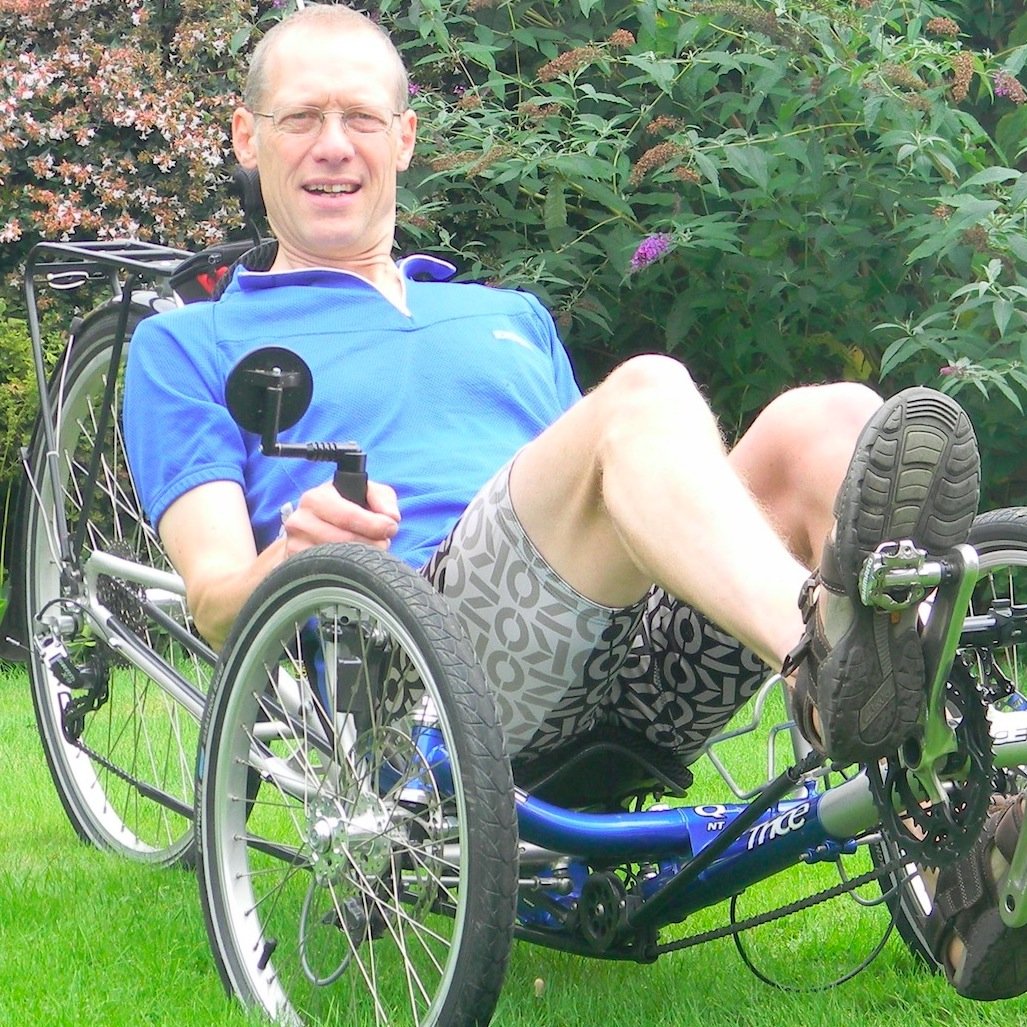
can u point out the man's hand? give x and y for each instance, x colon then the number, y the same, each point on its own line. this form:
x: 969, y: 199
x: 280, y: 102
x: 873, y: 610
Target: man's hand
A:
x: 208, y: 536
x: 322, y: 515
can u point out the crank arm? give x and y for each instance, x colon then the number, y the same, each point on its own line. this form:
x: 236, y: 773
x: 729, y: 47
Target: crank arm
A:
x: 895, y: 577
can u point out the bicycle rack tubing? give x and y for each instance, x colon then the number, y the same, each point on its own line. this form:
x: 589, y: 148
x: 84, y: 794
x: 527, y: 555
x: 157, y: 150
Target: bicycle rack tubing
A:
x: 77, y: 263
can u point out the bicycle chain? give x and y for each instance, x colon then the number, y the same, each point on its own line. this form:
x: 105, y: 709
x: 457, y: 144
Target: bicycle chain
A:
x: 102, y: 760
x: 728, y: 930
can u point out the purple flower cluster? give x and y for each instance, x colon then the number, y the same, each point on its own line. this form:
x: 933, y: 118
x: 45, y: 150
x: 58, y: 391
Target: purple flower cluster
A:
x: 1008, y: 86
x: 650, y: 249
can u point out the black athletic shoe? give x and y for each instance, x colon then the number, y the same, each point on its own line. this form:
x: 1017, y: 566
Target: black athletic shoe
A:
x: 915, y: 475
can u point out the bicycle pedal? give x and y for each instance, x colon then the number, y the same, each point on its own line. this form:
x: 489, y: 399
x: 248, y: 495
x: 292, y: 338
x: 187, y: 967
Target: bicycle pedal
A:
x: 895, y: 576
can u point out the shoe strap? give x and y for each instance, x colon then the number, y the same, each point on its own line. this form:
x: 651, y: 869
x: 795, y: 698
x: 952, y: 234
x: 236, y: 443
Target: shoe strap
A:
x: 830, y: 571
x: 807, y: 606
x: 967, y: 887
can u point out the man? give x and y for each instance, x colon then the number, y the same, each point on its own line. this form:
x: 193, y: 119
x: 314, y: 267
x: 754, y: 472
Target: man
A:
x: 611, y: 561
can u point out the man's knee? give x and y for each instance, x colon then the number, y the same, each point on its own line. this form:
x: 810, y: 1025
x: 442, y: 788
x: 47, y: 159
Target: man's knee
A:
x: 836, y: 411
x: 653, y: 389
x: 650, y: 372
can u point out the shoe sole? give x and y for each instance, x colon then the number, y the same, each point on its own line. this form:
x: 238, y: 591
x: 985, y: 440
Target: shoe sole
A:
x: 996, y: 961
x: 915, y: 474
x: 994, y: 964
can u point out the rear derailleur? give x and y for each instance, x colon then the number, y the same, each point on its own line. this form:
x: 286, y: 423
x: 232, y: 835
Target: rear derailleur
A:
x: 88, y: 673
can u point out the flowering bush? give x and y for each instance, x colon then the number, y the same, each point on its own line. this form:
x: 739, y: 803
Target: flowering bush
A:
x: 776, y: 191
x: 111, y: 126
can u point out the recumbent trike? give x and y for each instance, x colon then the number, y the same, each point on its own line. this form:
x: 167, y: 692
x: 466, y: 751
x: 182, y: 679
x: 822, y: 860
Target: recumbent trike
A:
x: 338, y: 773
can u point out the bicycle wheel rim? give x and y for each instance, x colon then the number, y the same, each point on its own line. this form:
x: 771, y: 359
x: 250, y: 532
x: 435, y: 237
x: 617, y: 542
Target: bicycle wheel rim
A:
x: 126, y: 781
x: 400, y: 931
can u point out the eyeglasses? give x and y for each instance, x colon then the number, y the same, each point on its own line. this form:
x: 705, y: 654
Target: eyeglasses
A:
x: 305, y: 121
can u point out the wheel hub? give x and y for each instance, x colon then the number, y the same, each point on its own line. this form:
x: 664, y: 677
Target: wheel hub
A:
x: 358, y: 841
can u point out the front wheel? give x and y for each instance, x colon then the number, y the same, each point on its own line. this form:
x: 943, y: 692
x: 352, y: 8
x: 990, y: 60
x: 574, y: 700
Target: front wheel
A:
x: 1000, y: 538
x: 355, y: 822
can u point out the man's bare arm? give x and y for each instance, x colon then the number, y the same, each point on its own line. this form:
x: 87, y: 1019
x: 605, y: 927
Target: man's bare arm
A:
x: 208, y: 537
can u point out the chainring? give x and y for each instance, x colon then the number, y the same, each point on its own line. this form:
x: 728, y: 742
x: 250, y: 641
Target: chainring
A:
x: 935, y: 834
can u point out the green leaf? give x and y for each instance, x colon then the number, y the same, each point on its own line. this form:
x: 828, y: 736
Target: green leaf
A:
x: 573, y: 166
x: 872, y: 104
x: 970, y: 210
x: 750, y: 162
x: 239, y: 38
x: 658, y: 70
x: 1015, y: 60
x: 1018, y: 194
x: 1002, y: 311
x: 605, y: 196
x: 1007, y: 390
x: 679, y: 321
x: 990, y: 175
x: 554, y: 208
x: 481, y: 54
x: 709, y: 168
x: 1018, y: 244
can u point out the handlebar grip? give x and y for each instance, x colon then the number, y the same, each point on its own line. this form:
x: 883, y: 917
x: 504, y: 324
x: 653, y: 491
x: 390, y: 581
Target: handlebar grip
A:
x: 351, y: 477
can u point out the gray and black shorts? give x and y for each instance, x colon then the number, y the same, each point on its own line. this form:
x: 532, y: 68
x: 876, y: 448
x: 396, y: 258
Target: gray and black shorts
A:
x: 562, y: 665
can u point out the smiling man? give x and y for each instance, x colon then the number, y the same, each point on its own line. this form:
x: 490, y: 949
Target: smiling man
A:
x: 326, y: 123
x: 612, y: 562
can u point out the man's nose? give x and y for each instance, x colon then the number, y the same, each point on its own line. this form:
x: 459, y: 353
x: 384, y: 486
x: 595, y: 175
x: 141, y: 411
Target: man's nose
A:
x: 334, y: 135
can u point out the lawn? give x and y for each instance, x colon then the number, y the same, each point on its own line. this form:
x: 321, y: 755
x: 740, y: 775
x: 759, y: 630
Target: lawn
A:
x: 88, y: 939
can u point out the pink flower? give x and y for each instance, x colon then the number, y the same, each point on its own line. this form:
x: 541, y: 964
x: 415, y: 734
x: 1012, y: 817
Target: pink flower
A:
x: 1006, y: 85
x: 11, y: 232
x: 650, y: 249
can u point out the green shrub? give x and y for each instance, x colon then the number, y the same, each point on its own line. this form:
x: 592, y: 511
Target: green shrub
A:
x: 775, y: 191
x: 772, y: 191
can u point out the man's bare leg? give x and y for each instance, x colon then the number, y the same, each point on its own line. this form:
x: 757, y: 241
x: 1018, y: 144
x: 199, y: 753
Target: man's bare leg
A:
x: 795, y: 455
x: 634, y: 486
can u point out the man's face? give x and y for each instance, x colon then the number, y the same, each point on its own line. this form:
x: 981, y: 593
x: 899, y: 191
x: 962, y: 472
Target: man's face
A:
x: 330, y: 195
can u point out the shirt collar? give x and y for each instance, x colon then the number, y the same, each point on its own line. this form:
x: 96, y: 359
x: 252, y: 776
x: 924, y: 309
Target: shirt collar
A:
x: 415, y: 266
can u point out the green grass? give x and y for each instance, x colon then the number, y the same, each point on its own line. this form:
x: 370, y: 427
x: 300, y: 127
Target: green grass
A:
x: 90, y: 939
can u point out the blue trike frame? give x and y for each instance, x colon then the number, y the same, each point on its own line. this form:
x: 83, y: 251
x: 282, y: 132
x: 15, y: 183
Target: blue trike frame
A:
x: 696, y: 855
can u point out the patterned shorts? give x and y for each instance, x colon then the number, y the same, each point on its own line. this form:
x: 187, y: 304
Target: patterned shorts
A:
x: 562, y: 665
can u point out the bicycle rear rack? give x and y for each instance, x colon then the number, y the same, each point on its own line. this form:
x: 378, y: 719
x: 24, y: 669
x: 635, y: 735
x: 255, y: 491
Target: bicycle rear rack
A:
x: 68, y: 265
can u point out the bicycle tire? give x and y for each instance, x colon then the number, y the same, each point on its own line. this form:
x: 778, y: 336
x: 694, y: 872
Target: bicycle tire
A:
x: 126, y: 781
x: 1000, y: 538
x: 358, y: 883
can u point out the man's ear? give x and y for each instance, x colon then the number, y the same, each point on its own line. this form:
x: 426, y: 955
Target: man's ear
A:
x: 244, y: 129
x: 407, y: 139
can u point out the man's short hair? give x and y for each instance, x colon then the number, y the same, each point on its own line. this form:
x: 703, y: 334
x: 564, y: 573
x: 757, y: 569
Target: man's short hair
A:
x: 318, y: 16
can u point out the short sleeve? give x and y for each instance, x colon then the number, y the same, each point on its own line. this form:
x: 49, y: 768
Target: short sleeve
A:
x: 567, y: 390
x: 178, y: 432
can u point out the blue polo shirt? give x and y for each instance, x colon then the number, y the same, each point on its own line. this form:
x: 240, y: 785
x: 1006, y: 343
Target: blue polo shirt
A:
x: 439, y: 395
